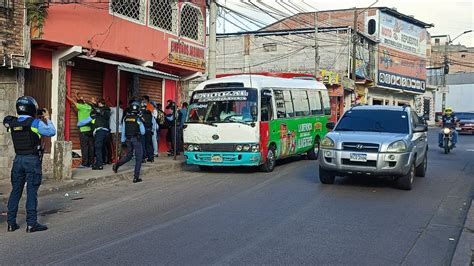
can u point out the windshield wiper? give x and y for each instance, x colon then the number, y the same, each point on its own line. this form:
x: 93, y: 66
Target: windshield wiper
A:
x: 210, y: 124
x: 240, y: 122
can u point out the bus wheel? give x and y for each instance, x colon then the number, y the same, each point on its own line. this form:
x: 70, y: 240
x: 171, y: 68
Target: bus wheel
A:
x: 269, y: 164
x: 313, y: 154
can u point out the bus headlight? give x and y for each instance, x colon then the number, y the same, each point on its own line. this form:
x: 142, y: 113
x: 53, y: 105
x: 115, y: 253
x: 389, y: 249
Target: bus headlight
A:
x: 196, y: 147
x: 255, y: 148
x: 327, y: 143
x: 238, y: 147
x: 190, y: 147
x: 246, y: 147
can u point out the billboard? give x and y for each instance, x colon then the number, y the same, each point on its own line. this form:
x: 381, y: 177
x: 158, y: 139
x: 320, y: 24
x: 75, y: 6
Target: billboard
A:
x: 402, y: 54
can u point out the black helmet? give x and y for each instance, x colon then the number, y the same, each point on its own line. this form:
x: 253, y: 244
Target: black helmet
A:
x: 135, y: 107
x: 26, y: 105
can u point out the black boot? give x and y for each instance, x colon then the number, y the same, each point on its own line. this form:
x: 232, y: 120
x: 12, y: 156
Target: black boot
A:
x: 36, y: 228
x: 137, y: 180
x: 115, y: 168
x: 13, y: 227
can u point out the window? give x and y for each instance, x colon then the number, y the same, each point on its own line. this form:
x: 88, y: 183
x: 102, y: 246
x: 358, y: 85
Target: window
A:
x: 163, y: 15
x: 374, y: 121
x: 300, y: 102
x: 269, y: 47
x: 326, y: 103
x: 290, y: 112
x: 129, y: 9
x: 315, y: 102
x: 192, y: 22
x: 280, y: 104
x: 377, y: 102
x: 372, y: 26
x: 6, y: 4
x: 266, y: 106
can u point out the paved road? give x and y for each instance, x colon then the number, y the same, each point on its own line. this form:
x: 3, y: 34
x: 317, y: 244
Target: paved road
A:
x: 245, y: 217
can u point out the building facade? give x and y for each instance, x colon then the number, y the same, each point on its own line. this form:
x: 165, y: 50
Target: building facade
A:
x: 390, y: 58
x: 109, y: 49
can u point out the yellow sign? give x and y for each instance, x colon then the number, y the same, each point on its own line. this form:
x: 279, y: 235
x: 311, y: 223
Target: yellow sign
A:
x: 330, y: 77
x: 187, y: 55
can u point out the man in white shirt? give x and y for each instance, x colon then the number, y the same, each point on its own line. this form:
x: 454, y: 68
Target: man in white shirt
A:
x: 113, y: 127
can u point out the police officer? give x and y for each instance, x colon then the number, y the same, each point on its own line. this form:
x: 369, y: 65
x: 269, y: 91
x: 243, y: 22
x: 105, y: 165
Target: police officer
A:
x: 100, y: 120
x: 150, y: 124
x: 26, y: 131
x: 132, y: 131
x: 449, y: 120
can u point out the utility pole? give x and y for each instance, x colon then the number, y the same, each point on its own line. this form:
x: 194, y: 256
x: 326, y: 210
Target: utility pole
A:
x: 445, y: 72
x: 212, y: 40
x: 316, y: 46
x: 354, y: 45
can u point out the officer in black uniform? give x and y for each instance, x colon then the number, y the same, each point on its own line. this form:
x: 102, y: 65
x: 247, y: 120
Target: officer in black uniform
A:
x: 132, y: 132
x: 101, y: 122
x: 26, y: 131
x: 147, y: 141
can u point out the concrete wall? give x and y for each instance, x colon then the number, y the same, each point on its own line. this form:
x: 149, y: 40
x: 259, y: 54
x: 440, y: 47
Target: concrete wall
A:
x: 11, y: 86
x: 290, y: 53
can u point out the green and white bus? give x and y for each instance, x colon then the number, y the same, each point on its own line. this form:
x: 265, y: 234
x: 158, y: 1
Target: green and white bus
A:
x: 252, y: 120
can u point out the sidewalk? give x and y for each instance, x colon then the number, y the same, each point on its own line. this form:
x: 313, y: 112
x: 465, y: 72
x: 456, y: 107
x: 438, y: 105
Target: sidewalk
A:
x: 87, y: 177
x: 465, y: 247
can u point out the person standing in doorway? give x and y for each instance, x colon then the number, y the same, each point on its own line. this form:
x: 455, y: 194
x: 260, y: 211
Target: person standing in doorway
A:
x: 113, y: 128
x: 26, y: 131
x: 86, y: 137
x: 132, y: 131
x: 183, y: 113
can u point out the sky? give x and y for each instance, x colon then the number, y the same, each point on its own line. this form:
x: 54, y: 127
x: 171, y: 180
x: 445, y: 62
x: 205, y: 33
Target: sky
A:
x: 449, y: 16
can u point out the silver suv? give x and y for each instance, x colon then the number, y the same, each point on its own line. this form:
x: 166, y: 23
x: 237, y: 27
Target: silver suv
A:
x: 381, y: 141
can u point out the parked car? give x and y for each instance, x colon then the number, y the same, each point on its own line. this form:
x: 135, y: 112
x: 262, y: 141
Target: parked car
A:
x: 466, y: 122
x: 379, y: 141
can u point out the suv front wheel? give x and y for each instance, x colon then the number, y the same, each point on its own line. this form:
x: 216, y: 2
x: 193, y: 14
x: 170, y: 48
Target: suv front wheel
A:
x: 406, y: 182
x: 326, y: 177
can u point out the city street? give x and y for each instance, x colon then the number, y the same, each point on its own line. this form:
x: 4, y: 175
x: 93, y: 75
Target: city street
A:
x: 242, y: 216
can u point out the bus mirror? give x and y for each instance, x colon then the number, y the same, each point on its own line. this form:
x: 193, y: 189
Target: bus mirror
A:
x: 253, y: 110
x: 330, y: 125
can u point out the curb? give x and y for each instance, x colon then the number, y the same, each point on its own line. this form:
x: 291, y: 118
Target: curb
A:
x: 463, y: 255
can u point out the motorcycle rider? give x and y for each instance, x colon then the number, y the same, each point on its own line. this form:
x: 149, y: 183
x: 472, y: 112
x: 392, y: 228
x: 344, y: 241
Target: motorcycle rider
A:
x: 449, y: 120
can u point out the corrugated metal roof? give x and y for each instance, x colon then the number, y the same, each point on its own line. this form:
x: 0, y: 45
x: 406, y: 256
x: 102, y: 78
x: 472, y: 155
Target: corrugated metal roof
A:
x: 132, y: 68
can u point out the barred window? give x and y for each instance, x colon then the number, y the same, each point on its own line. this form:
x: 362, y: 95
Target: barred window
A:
x: 192, y: 22
x: 129, y: 9
x: 163, y: 14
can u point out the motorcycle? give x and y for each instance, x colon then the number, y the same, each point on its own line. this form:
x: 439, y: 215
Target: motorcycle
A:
x: 447, y: 139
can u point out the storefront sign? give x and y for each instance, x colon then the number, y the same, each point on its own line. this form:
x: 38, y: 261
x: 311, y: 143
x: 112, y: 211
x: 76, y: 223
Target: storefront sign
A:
x: 401, y: 82
x: 401, y: 35
x: 329, y: 77
x: 181, y: 53
x: 336, y: 91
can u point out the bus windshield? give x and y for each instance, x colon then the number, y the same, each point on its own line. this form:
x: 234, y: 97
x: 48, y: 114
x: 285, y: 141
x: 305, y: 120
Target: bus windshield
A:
x: 227, y: 105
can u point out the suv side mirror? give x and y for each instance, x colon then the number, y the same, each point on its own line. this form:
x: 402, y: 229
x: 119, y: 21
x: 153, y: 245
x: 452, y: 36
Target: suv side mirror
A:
x: 420, y: 128
x: 330, y: 125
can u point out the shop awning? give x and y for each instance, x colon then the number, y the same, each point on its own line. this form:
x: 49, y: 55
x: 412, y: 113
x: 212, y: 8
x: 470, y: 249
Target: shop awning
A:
x: 123, y: 66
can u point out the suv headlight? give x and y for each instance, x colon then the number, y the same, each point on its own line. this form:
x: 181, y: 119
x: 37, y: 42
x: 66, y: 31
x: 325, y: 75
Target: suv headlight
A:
x: 327, y: 143
x: 397, y: 146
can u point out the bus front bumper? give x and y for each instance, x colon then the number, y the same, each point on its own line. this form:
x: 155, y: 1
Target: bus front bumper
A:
x: 223, y: 158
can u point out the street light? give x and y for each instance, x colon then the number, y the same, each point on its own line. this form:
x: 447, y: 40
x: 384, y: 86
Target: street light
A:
x: 468, y: 31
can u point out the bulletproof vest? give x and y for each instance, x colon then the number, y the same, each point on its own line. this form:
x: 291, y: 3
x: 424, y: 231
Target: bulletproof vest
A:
x: 132, y: 128
x: 147, y: 119
x: 25, y: 141
x: 102, y: 117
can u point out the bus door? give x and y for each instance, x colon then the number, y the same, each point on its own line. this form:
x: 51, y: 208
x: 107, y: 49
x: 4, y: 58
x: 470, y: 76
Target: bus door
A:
x: 266, y: 116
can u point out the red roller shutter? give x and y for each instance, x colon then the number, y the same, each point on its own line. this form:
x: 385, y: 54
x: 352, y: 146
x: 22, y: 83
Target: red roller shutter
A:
x: 152, y: 87
x: 89, y: 84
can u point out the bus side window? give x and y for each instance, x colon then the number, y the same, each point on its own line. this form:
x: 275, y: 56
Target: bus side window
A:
x: 280, y: 103
x: 300, y: 102
x: 288, y: 104
x: 326, y: 102
x: 266, y: 106
x: 314, y: 102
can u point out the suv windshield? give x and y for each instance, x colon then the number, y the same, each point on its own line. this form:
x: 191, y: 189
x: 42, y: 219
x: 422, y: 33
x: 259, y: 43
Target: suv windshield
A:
x: 374, y: 121
x: 223, y: 106
x: 465, y: 116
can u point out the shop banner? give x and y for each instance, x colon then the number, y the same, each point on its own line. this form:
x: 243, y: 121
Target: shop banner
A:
x: 181, y: 53
x: 401, y: 82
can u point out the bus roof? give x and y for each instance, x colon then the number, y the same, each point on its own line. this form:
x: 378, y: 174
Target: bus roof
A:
x: 259, y: 81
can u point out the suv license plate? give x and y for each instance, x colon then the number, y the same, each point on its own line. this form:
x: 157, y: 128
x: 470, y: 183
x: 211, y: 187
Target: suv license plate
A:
x: 458, y: 129
x: 358, y: 157
x: 216, y: 159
